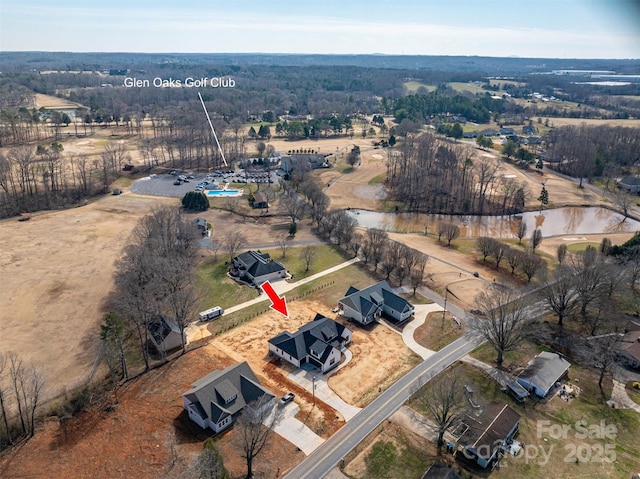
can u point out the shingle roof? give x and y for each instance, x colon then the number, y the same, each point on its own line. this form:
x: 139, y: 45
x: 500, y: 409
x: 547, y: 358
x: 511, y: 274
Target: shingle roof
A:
x: 259, y: 264
x: 630, y: 343
x: 161, y: 327
x: 545, y: 369
x: 212, y: 395
x: 361, y: 300
x: 322, y: 334
x: 486, y: 432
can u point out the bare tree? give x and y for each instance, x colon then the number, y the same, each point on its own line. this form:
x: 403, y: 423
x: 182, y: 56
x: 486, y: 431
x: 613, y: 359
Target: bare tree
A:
x: 215, y: 244
x: 443, y: 400
x: 604, y: 351
x: 560, y: 294
x: 292, y: 205
x: 18, y: 377
x: 417, y: 271
x: 307, y: 255
x: 234, y: 241
x: 376, y: 240
x: 536, y: 239
x: 504, y: 320
x: 531, y: 265
x: 485, y: 245
x: 514, y: 258
x: 3, y: 400
x: 253, y: 429
x: 589, y: 274
x: 522, y: 231
x: 624, y: 201
x: 283, y: 242
x: 449, y: 231
x: 561, y: 252
x: 391, y: 259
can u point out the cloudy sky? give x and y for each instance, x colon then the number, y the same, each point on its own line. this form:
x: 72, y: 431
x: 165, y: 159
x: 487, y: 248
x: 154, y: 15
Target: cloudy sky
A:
x: 540, y: 28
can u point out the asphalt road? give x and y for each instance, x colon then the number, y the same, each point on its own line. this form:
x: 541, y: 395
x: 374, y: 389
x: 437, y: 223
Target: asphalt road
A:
x: 318, y: 464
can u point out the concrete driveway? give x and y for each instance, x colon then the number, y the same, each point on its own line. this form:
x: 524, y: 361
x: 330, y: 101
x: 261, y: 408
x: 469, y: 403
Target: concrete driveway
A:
x: 295, y: 431
x: 323, y: 391
x: 420, y: 315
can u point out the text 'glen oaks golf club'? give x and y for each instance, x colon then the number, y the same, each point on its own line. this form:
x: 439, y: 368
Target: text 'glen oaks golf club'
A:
x: 157, y: 82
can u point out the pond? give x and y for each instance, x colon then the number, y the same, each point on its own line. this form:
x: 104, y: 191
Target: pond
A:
x: 559, y: 221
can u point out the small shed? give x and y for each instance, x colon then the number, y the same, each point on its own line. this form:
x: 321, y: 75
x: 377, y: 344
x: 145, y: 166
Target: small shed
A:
x: 261, y: 200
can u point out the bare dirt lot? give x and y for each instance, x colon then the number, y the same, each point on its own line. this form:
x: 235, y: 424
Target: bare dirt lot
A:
x: 147, y: 436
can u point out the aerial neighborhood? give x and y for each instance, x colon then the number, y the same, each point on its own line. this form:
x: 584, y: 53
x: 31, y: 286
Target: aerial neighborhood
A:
x: 305, y: 266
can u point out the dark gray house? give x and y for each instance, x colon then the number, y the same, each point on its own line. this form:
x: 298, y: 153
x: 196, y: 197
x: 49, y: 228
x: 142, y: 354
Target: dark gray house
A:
x: 319, y: 343
x: 305, y: 161
x: 365, y: 306
x: 218, y: 398
x: 255, y: 268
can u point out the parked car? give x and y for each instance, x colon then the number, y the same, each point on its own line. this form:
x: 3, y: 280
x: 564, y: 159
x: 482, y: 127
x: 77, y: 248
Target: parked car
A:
x: 177, y: 182
x: 287, y: 398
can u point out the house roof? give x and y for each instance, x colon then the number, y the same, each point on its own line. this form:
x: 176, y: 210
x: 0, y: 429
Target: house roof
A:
x: 630, y: 343
x: 260, y: 197
x: 486, y: 432
x: 364, y: 301
x: 213, y: 395
x: 322, y: 335
x: 545, y: 369
x: 631, y: 181
x: 438, y: 471
x: 161, y: 327
x: 259, y: 264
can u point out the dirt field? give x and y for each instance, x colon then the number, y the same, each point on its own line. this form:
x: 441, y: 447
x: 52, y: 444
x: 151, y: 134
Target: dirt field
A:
x: 143, y: 435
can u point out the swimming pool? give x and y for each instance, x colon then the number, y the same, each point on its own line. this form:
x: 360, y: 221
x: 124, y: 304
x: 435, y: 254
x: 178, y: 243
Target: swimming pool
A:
x: 224, y: 192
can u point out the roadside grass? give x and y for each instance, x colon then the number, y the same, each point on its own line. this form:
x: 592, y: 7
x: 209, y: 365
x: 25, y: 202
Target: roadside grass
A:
x: 579, y: 247
x: 416, y: 298
x: 436, y: 333
x: 517, y: 358
x: 396, y: 457
x: 378, y: 179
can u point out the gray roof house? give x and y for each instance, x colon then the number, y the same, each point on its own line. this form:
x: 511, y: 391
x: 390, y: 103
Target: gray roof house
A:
x: 219, y: 397
x: 165, y: 333
x: 543, y: 372
x: 486, y: 436
x: 319, y: 343
x: 304, y: 161
x: 255, y: 268
x: 365, y: 306
x: 631, y: 184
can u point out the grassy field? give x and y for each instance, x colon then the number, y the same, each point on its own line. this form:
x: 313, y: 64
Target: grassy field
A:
x: 578, y: 247
x: 377, y: 179
x: 324, y: 257
x: 215, y: 288
x: 416, y: 298
x: 412, y: 86
x: 468, y: 87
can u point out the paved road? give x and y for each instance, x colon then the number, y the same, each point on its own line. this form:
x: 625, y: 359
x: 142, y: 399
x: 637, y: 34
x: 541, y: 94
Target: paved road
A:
x: 328, y: 455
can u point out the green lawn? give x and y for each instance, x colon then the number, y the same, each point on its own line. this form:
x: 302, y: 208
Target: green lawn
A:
x: 578, y: 247
x: 216, y: 289
x: 378, y: 179
x: 324, y: 257
x: 435, y: 333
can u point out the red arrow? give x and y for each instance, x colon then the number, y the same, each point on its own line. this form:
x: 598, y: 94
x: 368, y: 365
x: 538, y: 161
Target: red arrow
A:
x: 277, y: 303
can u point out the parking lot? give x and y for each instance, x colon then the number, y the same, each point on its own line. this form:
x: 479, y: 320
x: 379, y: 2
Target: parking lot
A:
x: 167, y: 184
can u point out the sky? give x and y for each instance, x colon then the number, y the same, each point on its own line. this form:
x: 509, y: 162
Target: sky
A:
x: 499, y: 28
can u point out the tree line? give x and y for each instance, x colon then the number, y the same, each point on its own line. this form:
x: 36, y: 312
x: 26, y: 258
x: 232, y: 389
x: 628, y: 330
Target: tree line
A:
x: 434, y: 176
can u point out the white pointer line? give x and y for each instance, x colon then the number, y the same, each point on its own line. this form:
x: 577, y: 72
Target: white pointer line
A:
x: 212, y: 130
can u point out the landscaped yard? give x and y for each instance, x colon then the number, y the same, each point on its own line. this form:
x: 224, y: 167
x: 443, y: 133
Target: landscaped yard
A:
x: 215, y: 288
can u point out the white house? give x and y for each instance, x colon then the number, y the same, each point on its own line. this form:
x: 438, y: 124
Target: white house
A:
x: 319, y: 343
x: 631, y: 184
x: 216, y: 399
x: 365, y: 306
x: 255, y: 268
x: 542, y: 372
x: 165, y: 334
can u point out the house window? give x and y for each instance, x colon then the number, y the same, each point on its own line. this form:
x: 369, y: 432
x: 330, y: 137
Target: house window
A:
x: 231, y: 399
x: 333, y: 360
